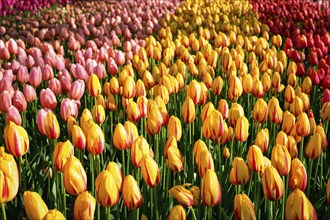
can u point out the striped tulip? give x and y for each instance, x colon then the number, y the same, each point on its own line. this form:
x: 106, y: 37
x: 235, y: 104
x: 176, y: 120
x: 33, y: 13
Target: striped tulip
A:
x: 298, y: 206
x: 298, y: 175
x: 84, y: 207
x: 272, y: 184
x: 107, y: 192
x: 150, y: 171
x: 239, y: 173
x: 243, y: 207
x: 211, y: 189
x: 131, y: 193
x: 95, y: 140
x: 182, y: 195
x: 75, y: 179
x: 16, y: 139
x: 178, y: 213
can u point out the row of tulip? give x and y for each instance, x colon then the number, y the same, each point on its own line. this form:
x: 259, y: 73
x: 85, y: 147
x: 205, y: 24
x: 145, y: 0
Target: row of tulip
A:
x: 175, y: 115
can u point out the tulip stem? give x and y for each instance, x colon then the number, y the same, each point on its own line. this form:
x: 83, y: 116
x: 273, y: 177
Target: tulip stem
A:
x: 156, y: 203
x: 310, y: 167
x: 285, y: 181
x: 3, y: 211
x: 193, y: 212
x: 63, y: 194
x: 301, y: 150
x: 91, y: 166
x: 123, y: 161
x: 108, y: 213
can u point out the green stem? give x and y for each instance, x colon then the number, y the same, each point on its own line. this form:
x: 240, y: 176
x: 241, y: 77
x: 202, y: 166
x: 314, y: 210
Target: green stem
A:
x: 193, y: 212
x: 156, y: 203
x: 91, y: 166
x: 123, y: 162
x: 108, y: 212
x: 64, y: 196
x: 3, y: 211
x: 301, y: 150
x: 285, y: 180
x: 209, y: 213
x: 310, y: 167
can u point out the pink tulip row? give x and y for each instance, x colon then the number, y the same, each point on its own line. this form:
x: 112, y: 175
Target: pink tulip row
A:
x: 8, y: 7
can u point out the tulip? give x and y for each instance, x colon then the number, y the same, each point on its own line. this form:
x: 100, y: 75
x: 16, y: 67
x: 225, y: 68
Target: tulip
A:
x: 288, y: 122
x: 289, y: 94
x: 77, y: 89
x: 95, y: 139
x: 129, y: 88
x: 133, y: 112
x: 78, y: 137
x: 260, y: 111
x: 93, y: 85
x: 107, y: 192
x: 298, y: 175
x: 188, y: 111
x: 55, y: 86
x: 217, y: 85
x: 235, y: 88
x: 235, y: 112
x: 54, y: 214
x: 68, y: 108
x: 75, y: 179
x: 47, y: 99
x: 199, y: 147
x: 194, y: 91
x: 298, y: 206
x: 297, y: 106
x: 29, y: 93
x: 314, y: 147
x: 281, y: 138
x: 35, y: 76
x: 35, y: 207
x: 239, y: 173
x: 196, y: 193
x: 325, y: 115
x: 328, y: 191
x: 223, y: 108
x: 211, y: 189
x: 132, y: 132
x: 242, y: 129
x: 174, y: 127
x: 243, y: 207
x: 154, y: 121
x: 205, y: 163
x: 52, y: 128
x: 302, y: 125
x: 177, y: 213
x: 306, y: 86
x: 13, y: 115
x: 84, y: 207
x: 62, y: 152
x: 206, y: 111
x: 216, y: 124
x: 272, y: 184
x: 150, y: 171
x: 182, y: 195
x: 131, y: 193
x: 275, y: 112
x: 19, y: 101
x: 320, y: 130
x: 114, y: 86
x: 255, y: 158
x: 9, y: 177
x: 16, y: 139
x: 175, y: 159
x: 70, y: 123
x: 116, y: 173
x: 98, y: 114
x: 140, y: 149
x: 281, y: 159
x: 120, y: 137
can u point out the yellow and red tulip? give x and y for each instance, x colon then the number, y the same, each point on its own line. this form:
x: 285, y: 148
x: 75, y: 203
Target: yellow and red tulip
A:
x: 239, y: 173
x: 17, y: 139
x: 150, y: 171
x: 62, y: 152
x: 298, y: 206
x: 211, y: 189
x: 75, y: 179
x: 35, y: 207
x: 131, y: 193
x: 243, y: 207
x: 84, y: 207
x: 272, y: 184
x: 107, y: 192
x: 182, y: 195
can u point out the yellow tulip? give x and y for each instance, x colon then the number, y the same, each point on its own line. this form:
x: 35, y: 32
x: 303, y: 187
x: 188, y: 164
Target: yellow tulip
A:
x: 177, y: 213
x: 95, y: 139
x: 272, y: 184
x: 242, y: 129
x: 150, y: 171
x: 62, y: 152
x: 107, y: 192
x: 116, y: 173
x: 298, y: 175
x: 298, y: 206
x: 131, y: 193
x: 243, y: 207
x: 211, y: 189
x: 54, y: 214
x: 182, y: 195
x: 174, y: 128
x: 120, y: 137
x: 239, y: 173
x: 35, y: 207
x: 93, y: 85
x: 75, y: 179
x: 188, y: 111
x: 52, y: 127
x: 17, y: 139
x: 84, y: 207
x: 255, y: 158
x: 281, y: 159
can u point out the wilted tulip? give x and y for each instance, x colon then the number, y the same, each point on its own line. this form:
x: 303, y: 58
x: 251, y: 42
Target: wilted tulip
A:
x: 75, y: 179
x: 52, y: 128
x: 95, y: 139
x: 298, y: 175
x: 242, y: 129
x: 177, y: 213
x: 182, y: 195
x: 174, y: 127
x: 255, y: 158
x: 93, y: 85
x: 84, y: 207
x: 272, y: 184
x: 211, y: 189
x: 54, y: 214
x: 107, y: 192
x: 281, y: 159
x: 239, y: 173
x: 17, y: 139
x: 188, y: 111
x: 298, y: 206
x: 131, y: 193
x: 150, y: 171
x: 35, y: 207
x: 243, y: 207
x: 9, y: 177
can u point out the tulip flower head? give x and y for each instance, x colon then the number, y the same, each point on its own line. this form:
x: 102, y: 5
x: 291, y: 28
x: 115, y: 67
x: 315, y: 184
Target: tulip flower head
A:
x: 84, y: 206
x: 211, y: 189
x: 272, y: 184
x: 131, y: 193
x: 177, y: 213
x: 243, y: 207
x: 150, y: 171
x: 54, y: 214
x: 298, y: 206
x: 95, y: 139
x: 182, y: 195
x: 75, y: 179
x: 35, y: 207
x: 239, y: 173
x: 16, y: 139
x: 116, y: 173
x: 107, y: 192
x: 62, y: 152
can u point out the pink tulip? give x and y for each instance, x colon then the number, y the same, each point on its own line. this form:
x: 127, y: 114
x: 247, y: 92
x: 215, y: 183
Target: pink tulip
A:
x: 5, y: 101
x: 29, y: 93
x: 55, y: 85
x: 19, y: 101
x: 41, y: 120
x: 68, y: 108
x: 48, y: 99
x: 4, y: 53
x: 103, y: 55
x: 12, y: 46
x: 35, y: 76
x: 112, y: 66
x: 120, y: 58
x: 13, y: 115
x: 22, y: 74
x: 59, y: 62
x: 80, y: 73
x: 30, y: 62
x: 77, y: 89
x: 100, y: 71
x: 47, y: 72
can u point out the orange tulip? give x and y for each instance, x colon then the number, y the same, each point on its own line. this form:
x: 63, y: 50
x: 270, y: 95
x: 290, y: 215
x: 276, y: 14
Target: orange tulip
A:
x: 150, y: 171
x: 281, y: 159
x: 314, y: 147
x: 239, y: 173
x: 75, y: 179
x: 174, y: 128
x: 242, y: 129
x: 188, y: 111
x: 131, y: 193
x: 84, y: 207
x: 243, y: 207
x: 62, y: 152
x: 260, y: 111
x: 95, y: 139
x: 298, y: 175
x: 255, y: 158
x: 298, y: 206
x: 272, y: 184
x: 107, y: 192
x: 217, y: 85
x: 211, y: 189
x: 116, y: 173
x: 17, y: 139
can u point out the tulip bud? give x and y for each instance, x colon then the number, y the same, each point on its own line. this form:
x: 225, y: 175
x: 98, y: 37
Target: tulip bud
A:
x: 174, y: 127
x: 29, y: 93
x: 62, y: 152
x: 116, y: 173
x: 243, y: 207
x: 131, y: 193
x: 314, y: 147
x: 325, y: 115
x: 48, y: 99
x: 98, y: 114
x: 196, y: 194
x: 84, y: 207
x: 150, y: 171
x: 107, y: 192
x: 182, y: 195
x: 154, y: 121
x: 235, y: 88
x: 52, y: 128
x: 262, y: 139
x: 272, y: 184
x: 298, y: 206
x: 75, y: 179
x: 95, y: 139
x: 297, y: 106
x: 281, y: 138
x: 223, y: 108
x: 129, y: 88
x: 255, y: 158
x: 188, y: 111
x: 235, y: 112
x: 174, y: 159
x: 298, y: 175
x: 281, y: 159
x: 289, y: 94
x: 177, y: 213
x: 211, y: 189
x: 78, y: 137
x: 205, y: 162
x: 242, y: 129
x: 239, y: 173
x: 288, y: 122
x: 247, y: 83
x: 54, y: 214
x: 9, y: 177
x: 302, y: 125
x: 217, y: 85
x: 17, y: 139
x: 260, y: 111
x: 35, y: 207
x: 275, y: 112
x: 306, y: 86
x: 120, y: 137
x: 93, y: 85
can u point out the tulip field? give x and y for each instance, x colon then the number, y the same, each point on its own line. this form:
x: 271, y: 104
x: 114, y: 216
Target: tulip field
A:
x: 172, y: 109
